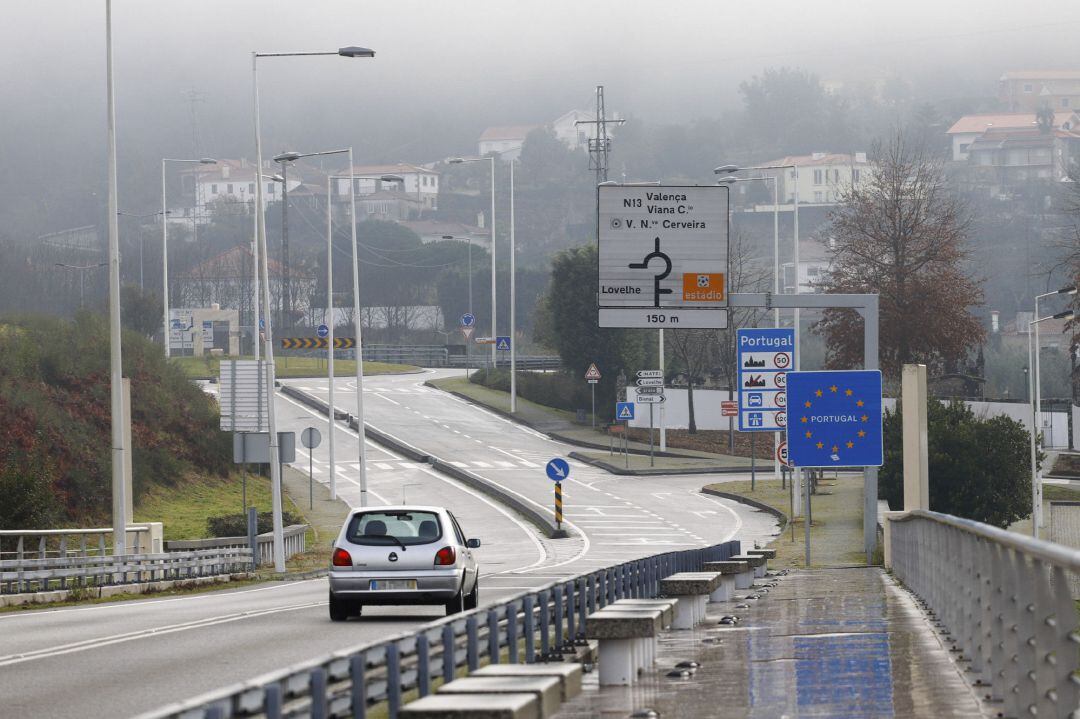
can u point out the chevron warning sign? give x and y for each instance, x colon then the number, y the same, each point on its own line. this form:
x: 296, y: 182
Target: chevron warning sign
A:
x: 316, y: 343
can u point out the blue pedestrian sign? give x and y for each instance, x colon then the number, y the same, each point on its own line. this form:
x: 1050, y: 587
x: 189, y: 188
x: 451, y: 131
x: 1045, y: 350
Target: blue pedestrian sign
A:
x: 502, y: 343
x: 323, y: 331
x: 468, y: 319
x: 835, y: 419
x: 624, y: 411
x: 764, y: 356
x: 557, y: 469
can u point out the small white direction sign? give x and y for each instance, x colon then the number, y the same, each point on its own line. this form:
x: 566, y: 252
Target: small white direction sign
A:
x: 650, y: 390
x: 649, y: 373
x: 650, y: 398
x: 650, y: 382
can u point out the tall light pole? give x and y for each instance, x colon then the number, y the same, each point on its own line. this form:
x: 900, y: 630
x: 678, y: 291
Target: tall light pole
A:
x: 268, y: 345
x: 82, y: 277
x: 165, y: 241
x: 1037, y: 380
x: 284, y: 159
x: 470, y: 310
x: 116, y: 380
x: 730, y: 180
x: 1033, y: 379
x: 513, y: 300
x: 491, y: 159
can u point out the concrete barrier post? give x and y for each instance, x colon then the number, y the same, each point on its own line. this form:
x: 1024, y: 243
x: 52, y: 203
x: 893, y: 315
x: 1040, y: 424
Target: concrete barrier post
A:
x: 916, y: 444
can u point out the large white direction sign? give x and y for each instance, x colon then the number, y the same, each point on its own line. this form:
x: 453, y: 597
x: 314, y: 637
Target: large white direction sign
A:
x: 663, y: 256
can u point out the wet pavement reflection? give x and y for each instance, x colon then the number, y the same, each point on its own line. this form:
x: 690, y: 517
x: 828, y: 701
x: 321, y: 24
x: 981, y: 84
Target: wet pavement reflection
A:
x: 821, y: 643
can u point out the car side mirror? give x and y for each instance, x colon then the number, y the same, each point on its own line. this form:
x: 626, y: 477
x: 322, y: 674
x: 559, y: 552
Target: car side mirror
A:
x: 472, y: 543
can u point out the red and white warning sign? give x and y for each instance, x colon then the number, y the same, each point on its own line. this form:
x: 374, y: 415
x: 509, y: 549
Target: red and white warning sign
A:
x: 781, y: 453
x: 593, y: 373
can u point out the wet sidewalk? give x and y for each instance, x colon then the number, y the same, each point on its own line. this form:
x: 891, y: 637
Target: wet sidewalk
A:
x: 822, y: 643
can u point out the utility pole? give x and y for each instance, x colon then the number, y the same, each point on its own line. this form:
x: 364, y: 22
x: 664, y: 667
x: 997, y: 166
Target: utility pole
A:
x: 600, y: 146
x: 286, y: 298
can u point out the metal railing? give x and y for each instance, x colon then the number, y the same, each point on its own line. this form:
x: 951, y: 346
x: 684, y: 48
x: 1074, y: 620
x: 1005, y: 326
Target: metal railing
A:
x: 522, y: 362
x: 19, y: 544
x: 39, y: 575
x: 295, y: 543
x: 1003, y: 600
x: 531, y: 626
x: 420, y: 355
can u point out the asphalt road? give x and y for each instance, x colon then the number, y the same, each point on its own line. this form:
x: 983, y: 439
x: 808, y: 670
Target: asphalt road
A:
x: 123, y: 658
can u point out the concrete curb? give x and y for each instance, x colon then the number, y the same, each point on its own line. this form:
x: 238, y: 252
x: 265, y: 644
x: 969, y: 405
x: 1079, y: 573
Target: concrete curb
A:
x: 752, y: 502
x: 613, y: 469
x: 112, y: 590
x: 508, y: 499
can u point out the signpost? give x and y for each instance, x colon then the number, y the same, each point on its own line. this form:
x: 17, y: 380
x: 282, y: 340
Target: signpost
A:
x: 484, y: 340
x: 663, y: 256
x: 650, y: 391
x: 311, y: 438
x: 592, y: 376
x: 764, y: 356
x: 624, y: 412
x: 836, y: 422
x: 502, y: 343
x: 468, y: 322
x: 323, y: 331
x: 557, y: 470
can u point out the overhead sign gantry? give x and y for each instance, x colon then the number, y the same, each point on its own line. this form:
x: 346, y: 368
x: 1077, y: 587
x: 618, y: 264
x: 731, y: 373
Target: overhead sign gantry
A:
x: 663, y: 256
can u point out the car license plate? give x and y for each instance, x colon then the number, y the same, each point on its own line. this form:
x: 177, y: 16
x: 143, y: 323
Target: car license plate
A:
x: 389, y: 584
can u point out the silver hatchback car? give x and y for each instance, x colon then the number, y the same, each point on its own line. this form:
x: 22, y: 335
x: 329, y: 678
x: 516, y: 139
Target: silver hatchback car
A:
x: 402, y: 555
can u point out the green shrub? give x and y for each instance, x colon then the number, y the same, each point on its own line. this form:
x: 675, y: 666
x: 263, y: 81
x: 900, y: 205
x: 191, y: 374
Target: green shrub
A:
x: 980, y: 469
x: 557, y: 390
x: 235, y: 525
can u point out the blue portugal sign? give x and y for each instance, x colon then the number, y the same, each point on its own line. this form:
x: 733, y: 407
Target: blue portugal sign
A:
x: 835, y: 419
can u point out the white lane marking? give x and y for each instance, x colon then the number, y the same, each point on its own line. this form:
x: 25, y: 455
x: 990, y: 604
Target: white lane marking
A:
x: 484, y: 465
x: 504, y: 464
x: 383, y: 465
x: 346, y: 430
x: 143, y: 633
x: 459, y: 465
x: 540, y: 549
x: 381, y: 396
x: 135, y: 604
x: 738, y: 519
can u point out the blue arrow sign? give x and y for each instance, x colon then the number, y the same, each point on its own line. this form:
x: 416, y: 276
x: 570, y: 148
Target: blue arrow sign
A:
x: 468, y: 319
x: 262, y: 324
x: 835, y: 419
x: 502, y: 343
x: 624, y: 411
x: 323, y: 331
x: 557, y: 469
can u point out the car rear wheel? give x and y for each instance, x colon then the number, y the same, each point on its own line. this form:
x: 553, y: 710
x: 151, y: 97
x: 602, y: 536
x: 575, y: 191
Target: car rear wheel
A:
x: 456, y: 604
x: 339, y: 609
x: 472, y: 599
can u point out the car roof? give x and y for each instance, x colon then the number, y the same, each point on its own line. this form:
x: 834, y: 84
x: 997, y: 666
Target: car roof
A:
x: 398, y: 508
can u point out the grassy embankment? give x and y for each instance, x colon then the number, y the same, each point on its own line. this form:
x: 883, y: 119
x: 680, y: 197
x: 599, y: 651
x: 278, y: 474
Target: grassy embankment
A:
x: 286, y: 367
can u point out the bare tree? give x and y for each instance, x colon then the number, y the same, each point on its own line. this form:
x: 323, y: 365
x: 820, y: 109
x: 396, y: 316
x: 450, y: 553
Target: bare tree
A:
x: 902, y: 235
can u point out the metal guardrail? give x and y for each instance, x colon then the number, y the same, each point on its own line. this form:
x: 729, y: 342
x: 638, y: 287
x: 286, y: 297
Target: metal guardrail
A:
x: 522, y: 362
x: 21, y: 544
x: 1004, y: 600
x: 530, y: 626
x: 420, y: 355
x: 39, y: 575
x: 295, y: 543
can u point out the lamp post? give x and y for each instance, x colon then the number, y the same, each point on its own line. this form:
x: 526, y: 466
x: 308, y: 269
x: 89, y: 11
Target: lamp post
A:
x: 470, y: 310
x: 284, y: 159
x: 1037, y: 375
x: 1033, y: 380
x: 513, y: 300
x: 268, y: 346
x: 491, y: 159
x: 82, y: 277
x: 165, y: 241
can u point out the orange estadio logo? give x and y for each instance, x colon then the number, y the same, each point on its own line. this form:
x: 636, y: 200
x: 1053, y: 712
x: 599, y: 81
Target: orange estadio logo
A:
x: 703, y: 286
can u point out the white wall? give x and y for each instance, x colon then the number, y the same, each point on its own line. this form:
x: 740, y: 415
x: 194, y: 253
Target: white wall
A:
x: 1055, y: 425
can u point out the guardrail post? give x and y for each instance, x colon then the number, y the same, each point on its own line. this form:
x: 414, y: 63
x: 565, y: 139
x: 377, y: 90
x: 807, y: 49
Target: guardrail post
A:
x: 530, y: 629
x: 493, y: 636
x: 472, y: 643
x: 584, y: 600
x: 272, y: 700
x: 557, y: 638
x: 393, y: 680
x: 358, y: 687
x: 449, y: 655
x: 571, y: 599
x: 423, y: 670
x: 318, y: 693
x: 545, y: 619
x: 511, y: 632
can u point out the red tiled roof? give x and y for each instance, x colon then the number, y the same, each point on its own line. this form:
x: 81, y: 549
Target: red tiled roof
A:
x: 980, y: 123
x: 823, y: 158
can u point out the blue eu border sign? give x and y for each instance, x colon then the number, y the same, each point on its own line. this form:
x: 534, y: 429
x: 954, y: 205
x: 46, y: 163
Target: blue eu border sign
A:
x: 764, y: 356
x: 835, y: 419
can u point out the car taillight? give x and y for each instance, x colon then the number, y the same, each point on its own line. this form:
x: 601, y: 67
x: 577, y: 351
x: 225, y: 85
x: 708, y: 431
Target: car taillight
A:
x: 445, y: 557
x: 342, y: 558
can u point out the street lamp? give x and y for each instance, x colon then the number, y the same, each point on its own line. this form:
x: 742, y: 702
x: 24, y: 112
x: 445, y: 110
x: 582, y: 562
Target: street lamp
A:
x: 165, y: 241
x: 469, y: 240
x: 491, y: 159
x: 264, y: 271
x: 513, y: 300
x: 1036, y: 411
x: 287, y: 157
x: 142, y: 243
x: 82, y: 275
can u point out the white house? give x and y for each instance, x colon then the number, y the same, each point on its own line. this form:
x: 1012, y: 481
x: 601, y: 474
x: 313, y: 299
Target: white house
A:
x: 233, y: 181
x: 505, y: 141
x: 822, y: 177
x: 970, y: 127
x: 416, y: 184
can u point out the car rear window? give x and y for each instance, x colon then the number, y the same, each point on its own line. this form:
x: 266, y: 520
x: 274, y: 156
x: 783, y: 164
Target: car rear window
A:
x: 394, y: 528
